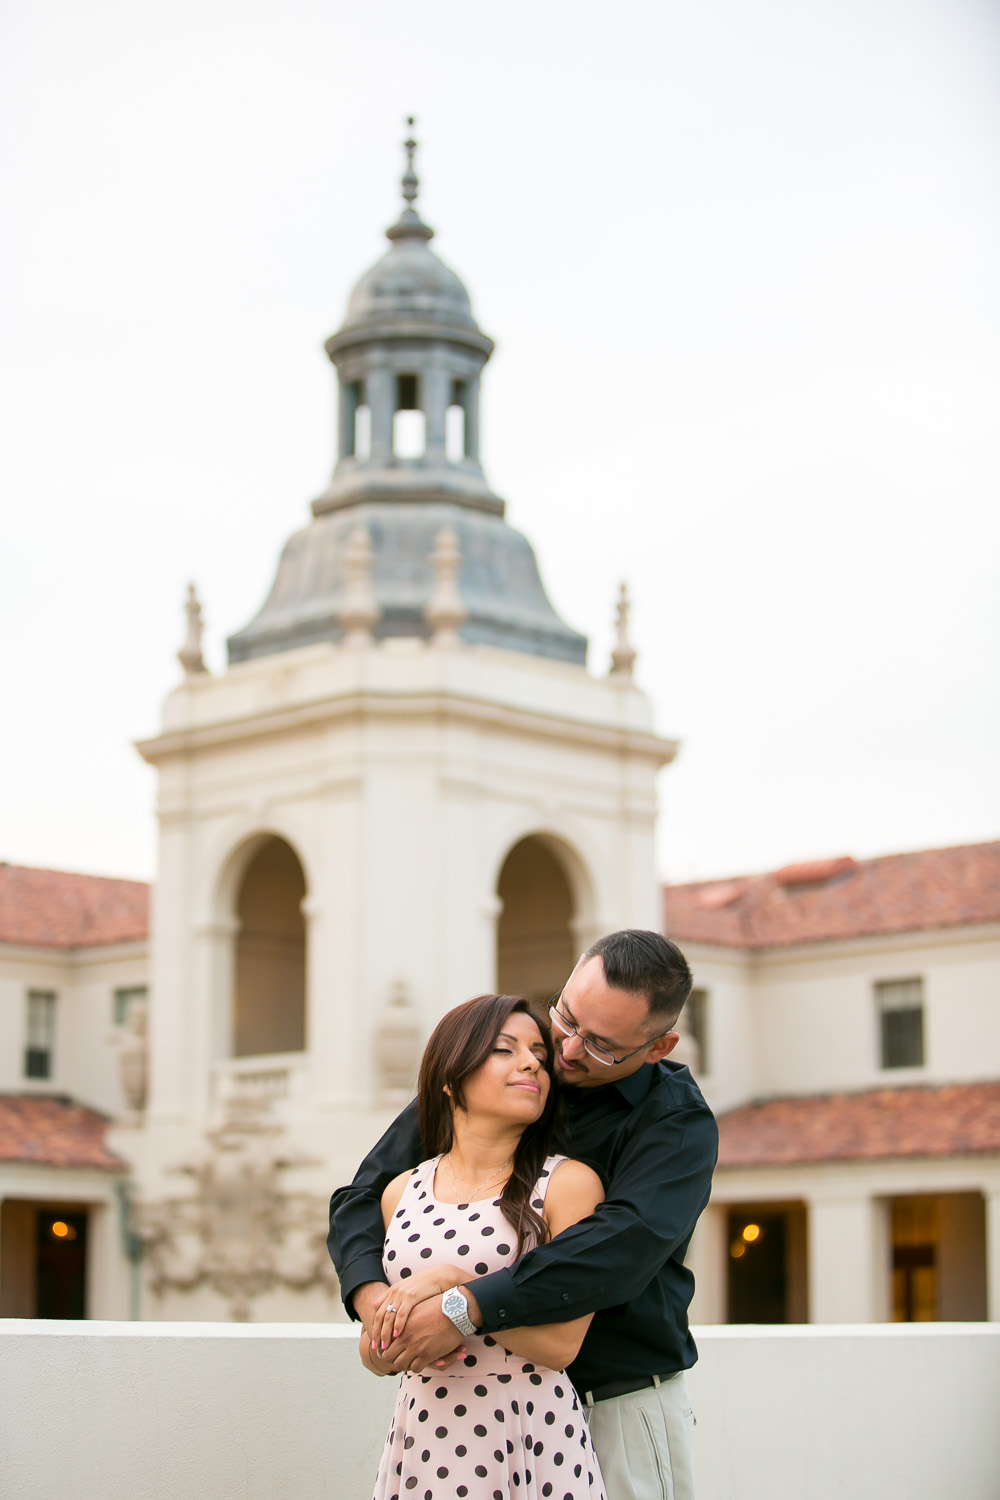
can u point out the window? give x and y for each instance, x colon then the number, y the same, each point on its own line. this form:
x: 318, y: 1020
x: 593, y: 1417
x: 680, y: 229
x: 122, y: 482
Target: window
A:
x: 454, y: 424
x: 38, y: 1054
x: 123, y: 999
x: 409, y: 425
x: 696, y: 1016
x: 901, y: 1018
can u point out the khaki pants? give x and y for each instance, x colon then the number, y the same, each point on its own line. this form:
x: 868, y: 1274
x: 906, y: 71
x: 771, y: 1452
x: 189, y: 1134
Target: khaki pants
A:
x: 643, y: 1441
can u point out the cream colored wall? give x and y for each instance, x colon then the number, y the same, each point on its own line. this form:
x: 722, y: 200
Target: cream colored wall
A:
x: 817, y: 1023
x: 86, y: 1047
x: 251, y: 1413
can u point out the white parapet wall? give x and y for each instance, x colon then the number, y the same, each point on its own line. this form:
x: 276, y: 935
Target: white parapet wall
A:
x: 196, y: 1411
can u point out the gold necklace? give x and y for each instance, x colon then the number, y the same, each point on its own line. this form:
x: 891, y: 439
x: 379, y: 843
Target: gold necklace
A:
x: 454, y: 1182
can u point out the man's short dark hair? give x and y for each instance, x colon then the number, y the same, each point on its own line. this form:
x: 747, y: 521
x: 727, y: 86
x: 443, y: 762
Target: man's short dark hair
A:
x: 647, y: 964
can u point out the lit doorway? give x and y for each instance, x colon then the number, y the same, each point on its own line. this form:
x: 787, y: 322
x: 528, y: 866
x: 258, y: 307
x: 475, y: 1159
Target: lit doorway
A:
x: 766, y: 1257
x: 43, y: 1260
x: 938, y: 1250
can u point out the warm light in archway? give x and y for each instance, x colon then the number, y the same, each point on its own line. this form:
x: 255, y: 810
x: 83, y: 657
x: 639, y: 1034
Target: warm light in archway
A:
x: 63, y: 1231
x: 751, y: 1233
x: 737, y: 1250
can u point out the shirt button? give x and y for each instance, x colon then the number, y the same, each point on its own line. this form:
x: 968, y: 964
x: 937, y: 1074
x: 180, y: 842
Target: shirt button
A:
x: 503, y: 1312
x: 565, y: 1296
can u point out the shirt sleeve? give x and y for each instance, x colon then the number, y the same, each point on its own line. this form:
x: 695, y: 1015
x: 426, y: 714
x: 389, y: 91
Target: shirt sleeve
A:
x: 657, y: 1189
x: 357, y: 1233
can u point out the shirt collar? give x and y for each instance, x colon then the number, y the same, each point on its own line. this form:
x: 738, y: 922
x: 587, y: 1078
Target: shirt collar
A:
x: 637, y: 1085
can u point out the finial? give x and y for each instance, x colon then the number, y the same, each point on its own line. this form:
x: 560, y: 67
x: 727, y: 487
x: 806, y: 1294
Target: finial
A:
x: 189, y: 655
x: 359, y: 611
x: 623, y: 656
x: 445, y: 612
x: 409, y: 225
x: 410, y: 180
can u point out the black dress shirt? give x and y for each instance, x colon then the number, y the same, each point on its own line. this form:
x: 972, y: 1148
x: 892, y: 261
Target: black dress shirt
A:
x: 654, y: 1141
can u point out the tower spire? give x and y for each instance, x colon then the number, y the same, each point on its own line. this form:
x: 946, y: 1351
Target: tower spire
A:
x: 409, y: 225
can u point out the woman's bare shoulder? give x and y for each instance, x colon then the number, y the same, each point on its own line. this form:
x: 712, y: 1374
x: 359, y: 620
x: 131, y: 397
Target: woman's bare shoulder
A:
x: 393, y: 1193
x: 574, y: 1192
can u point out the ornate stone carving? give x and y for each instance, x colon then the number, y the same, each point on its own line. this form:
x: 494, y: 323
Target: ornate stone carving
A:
x: 445, y: 611
x: 623, y: 656
x: 190, y: 656
x: 132, y: 1058
x: 241, y: 1231
x: 359, y: 611
x: 397, y: 1044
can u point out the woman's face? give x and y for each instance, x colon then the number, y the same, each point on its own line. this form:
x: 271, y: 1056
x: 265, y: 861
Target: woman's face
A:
x: 513, y: 1084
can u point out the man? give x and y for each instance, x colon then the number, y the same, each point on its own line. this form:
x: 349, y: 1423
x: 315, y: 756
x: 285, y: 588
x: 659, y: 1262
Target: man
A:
x: 643, y: 1125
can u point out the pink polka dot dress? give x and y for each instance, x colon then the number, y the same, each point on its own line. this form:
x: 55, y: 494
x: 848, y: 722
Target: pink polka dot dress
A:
x: 495, y: 1427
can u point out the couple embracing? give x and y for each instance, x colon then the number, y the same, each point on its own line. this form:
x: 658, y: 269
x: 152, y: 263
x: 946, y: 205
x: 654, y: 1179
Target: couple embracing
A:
x: 514, y: 1245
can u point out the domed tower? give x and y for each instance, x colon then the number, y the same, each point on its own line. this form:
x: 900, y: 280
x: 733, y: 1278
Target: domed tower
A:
x: 406, y: 788
x: 409, y: 357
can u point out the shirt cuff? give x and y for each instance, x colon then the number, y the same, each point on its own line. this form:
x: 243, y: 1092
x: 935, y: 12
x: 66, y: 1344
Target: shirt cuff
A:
x: 497, y: 1297
x: 368, y: 1268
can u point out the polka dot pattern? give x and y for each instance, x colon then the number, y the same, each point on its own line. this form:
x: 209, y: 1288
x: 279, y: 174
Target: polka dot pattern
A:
x: 497, y: 1425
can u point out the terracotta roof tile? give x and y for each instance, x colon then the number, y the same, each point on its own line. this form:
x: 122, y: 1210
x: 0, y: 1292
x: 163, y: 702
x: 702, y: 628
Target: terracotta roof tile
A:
x: 839, y: 898
x: 53, y: 1132
x: 953, y: 1120
x: 55, y: 909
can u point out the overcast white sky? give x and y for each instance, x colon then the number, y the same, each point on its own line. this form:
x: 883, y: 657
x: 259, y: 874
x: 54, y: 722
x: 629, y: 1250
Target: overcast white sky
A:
x: 740, y: 258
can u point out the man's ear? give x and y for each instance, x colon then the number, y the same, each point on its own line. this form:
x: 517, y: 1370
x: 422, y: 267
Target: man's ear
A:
x: 663, y: 1046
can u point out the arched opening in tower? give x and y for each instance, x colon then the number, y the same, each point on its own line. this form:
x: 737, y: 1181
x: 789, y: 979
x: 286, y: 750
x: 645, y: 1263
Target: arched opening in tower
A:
x: 409, y: 423
x: 535, y: 948
x: 269, y: 1000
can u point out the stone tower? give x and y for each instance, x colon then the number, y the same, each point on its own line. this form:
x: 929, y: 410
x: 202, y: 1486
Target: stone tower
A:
x: 405, y: 789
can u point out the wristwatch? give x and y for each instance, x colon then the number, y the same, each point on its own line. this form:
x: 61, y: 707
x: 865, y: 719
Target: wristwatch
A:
x: 455, y: 1305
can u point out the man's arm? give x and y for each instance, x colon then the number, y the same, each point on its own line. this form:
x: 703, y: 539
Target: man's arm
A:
x: 658, y: 1188
x: 357, y: 1233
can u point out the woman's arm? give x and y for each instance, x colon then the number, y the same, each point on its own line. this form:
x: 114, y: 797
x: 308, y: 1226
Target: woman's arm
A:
x: 574, y: 1192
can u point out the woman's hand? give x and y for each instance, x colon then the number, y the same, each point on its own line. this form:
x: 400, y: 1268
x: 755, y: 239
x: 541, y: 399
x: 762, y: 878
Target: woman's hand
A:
x: 396, y: 1303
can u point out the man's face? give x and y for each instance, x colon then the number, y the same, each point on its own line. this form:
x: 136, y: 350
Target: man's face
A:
x: 617, y: 1020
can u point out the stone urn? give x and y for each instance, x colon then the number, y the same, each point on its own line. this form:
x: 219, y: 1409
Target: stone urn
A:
x: 132, y: 1058
x: 397, y: 1043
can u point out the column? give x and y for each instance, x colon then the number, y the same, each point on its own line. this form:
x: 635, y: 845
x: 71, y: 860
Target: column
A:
x: 436, y: 387
x: 381, y: 385
x: 848, y: 1260
x: 472, y: 418
x: 707, y: 1259
x: 992, y: 1196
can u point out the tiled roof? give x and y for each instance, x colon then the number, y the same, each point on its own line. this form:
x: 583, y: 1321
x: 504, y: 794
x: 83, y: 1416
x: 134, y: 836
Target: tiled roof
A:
x: 53, y: 1132
x: 54, y: 909
x: 839, y: 898
x: 953, y: 1120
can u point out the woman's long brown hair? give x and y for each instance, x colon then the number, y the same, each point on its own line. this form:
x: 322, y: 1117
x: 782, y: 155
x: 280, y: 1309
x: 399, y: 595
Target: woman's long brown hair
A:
x: 460, y: 1043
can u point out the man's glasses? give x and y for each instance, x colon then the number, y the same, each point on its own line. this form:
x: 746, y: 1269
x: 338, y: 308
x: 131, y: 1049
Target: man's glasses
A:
x: 593, y: 1049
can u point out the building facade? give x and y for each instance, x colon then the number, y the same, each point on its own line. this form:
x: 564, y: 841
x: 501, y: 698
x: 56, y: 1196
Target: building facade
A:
x: 407, y: 788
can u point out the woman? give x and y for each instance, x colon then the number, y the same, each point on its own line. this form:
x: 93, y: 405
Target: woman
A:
x: 503, y: 1421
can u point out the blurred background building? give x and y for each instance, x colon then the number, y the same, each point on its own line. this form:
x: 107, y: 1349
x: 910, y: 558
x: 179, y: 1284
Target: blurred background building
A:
x: 405, y: 788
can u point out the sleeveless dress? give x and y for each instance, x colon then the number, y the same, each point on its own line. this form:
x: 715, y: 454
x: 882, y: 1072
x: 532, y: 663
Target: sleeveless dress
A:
x: 495, y: 1427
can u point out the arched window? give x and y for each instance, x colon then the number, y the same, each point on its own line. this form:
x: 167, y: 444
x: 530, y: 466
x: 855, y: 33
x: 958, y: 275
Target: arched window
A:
x: 269, y: 1001
x: 535, y: 948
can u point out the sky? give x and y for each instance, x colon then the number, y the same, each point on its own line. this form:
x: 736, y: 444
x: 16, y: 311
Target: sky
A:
x: 740, y: 260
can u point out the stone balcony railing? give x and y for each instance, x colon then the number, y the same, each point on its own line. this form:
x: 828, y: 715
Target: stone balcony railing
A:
x: 210, y: 1411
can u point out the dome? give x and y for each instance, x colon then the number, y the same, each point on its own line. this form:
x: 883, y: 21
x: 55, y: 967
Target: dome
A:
x: 409, y: 282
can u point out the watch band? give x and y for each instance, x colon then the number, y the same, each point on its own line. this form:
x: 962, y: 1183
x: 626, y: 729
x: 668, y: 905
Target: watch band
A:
x: 455, y: 1306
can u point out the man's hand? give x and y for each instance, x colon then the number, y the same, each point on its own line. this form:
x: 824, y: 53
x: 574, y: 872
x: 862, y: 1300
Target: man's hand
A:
x: 428, y: 1338
x: 370, y: 1359
x: 366, y: 1299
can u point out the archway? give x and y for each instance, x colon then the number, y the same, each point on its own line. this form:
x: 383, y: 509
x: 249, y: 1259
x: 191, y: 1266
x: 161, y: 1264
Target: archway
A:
x: 535, y: 944
x: 269, y: 991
